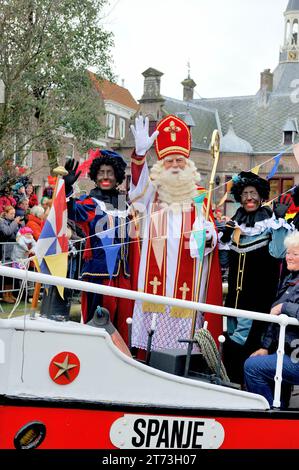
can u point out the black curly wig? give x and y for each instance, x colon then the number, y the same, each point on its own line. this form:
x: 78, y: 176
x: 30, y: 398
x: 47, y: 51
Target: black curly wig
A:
x: 247, y: 178
x: 108, y: 158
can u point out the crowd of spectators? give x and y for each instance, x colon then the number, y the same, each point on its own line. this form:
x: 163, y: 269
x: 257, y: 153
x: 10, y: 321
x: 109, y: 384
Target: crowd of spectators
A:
x: 22, y: 217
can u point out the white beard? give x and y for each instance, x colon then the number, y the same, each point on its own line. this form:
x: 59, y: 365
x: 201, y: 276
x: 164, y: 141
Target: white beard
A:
x: 175, y: 188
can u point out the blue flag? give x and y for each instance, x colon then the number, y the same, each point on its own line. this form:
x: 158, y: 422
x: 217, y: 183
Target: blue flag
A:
x: 275, y: 167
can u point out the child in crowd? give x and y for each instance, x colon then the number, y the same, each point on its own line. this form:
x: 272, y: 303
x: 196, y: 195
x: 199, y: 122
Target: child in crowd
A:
x: 24, y: 248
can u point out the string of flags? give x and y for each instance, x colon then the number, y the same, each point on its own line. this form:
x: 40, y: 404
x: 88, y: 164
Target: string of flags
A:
x: 52, y: 245
x: 256, y: 170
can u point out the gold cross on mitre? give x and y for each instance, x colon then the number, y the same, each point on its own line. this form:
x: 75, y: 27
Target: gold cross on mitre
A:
x: 173, y: 129
x: 184, y: 289
x: 155, y: 283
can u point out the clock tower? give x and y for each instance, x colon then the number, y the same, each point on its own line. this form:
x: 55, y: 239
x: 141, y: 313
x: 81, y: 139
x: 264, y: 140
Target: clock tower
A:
x: 290, y: 50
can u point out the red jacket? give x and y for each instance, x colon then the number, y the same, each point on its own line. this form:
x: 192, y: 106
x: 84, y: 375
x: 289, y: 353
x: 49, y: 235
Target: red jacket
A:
x: 33, y: 201
x: 35, y: 224
x: 6, y: 201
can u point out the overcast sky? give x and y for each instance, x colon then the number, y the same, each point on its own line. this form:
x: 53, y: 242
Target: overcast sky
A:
x: 228, y: 43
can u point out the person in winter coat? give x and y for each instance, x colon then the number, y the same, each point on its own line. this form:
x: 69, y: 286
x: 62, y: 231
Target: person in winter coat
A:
x: 36, y: 220
x: 24, y: 248
x: 260, y: 368
x: 9, y: 226
x: 6, y: 199
x: 30, y: 194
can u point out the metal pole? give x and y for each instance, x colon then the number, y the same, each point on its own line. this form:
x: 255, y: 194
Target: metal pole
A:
x: 135, y: 295
x: 215, y: 152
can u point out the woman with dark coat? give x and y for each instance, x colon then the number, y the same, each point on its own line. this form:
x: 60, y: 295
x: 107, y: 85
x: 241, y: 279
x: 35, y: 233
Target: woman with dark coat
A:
x: 260, y: 368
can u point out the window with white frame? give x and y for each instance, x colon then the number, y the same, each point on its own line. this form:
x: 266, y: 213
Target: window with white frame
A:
x: 111, y: 125
x: 122, y: 128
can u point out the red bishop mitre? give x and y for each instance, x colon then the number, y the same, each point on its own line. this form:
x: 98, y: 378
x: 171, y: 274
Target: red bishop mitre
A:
x: 174, y: 137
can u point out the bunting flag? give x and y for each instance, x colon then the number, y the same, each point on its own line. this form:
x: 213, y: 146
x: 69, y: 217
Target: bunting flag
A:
x: 52, y: 245
x: 296, y: 152
x: 222, y: 200
x: 229, y: 186
x: 110, y: 250
x: 199, y: 235
x: 256, y: 169
x: 200, y: 238
x: 275, y: 167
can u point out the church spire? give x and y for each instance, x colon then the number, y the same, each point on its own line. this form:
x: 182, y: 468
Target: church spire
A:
x: 290, y: 49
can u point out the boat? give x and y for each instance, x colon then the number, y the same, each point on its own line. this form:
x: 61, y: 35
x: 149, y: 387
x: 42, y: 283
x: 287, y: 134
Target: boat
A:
x: 68, y: 385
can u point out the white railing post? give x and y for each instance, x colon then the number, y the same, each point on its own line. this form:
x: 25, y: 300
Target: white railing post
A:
x: 279, y: 363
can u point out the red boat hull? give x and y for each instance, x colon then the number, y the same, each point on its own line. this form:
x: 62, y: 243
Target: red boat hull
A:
x: 69, y: 425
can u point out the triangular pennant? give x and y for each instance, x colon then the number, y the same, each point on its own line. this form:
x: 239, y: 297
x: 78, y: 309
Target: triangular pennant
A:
x: 256, y: 169
x: 200, y: 237
x: 111, y: 253
x: 229, y: 185
x: 198, y: 202
x: 222, y: 201
x: 57, y: 265
x: 275, y: 166
x: 107, y: 236
x: 236, y: 235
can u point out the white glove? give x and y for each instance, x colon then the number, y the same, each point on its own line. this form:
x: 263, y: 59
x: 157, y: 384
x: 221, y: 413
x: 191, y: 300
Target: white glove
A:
x: 210, y: 229
x: 143, y: 141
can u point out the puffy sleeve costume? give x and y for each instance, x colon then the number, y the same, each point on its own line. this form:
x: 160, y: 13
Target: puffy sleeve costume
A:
x: 255, y: 251
x: 103, y: 216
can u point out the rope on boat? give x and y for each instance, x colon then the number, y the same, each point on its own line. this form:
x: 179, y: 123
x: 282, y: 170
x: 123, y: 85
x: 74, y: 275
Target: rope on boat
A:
x: 210, y: 352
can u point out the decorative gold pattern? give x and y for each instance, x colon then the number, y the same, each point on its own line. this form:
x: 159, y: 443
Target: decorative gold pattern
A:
x: 184, y: 289
x: 173, y: 129
x: 138, y: 162
x: 152, y: 308
x: 155, y: 283
x: 179, y: 312
x: 292, y: 55
x: 174, y: 149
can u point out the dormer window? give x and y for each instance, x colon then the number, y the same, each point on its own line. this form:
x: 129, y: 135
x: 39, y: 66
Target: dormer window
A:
x: 290, y: 129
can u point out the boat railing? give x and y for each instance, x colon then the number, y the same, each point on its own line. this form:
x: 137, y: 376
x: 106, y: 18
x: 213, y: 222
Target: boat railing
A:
x: 282, y: 320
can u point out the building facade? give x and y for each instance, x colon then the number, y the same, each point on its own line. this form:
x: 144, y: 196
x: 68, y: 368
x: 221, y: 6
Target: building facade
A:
x: 253, y: 129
